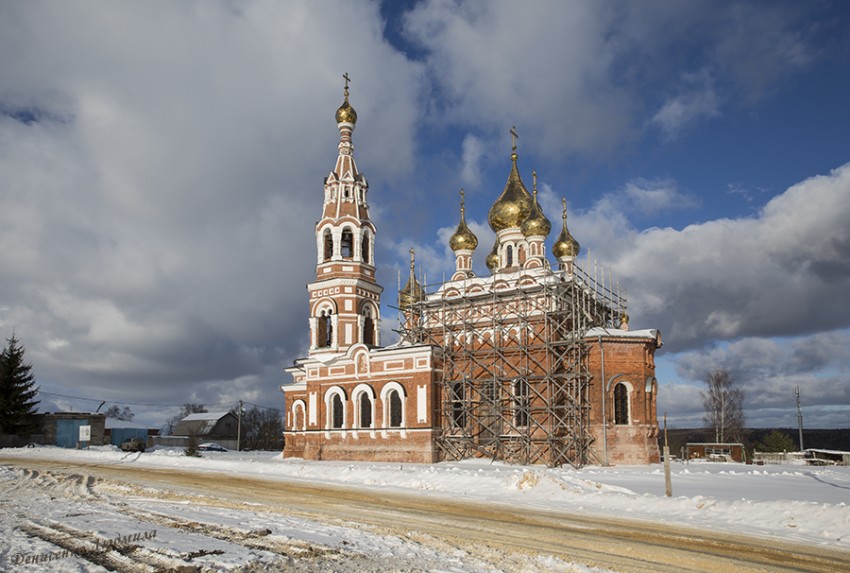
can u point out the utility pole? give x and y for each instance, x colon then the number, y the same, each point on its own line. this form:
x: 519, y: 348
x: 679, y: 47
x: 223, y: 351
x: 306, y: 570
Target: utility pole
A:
x: 668, y: 484
x: 799, y: 416
x: 239, y: 428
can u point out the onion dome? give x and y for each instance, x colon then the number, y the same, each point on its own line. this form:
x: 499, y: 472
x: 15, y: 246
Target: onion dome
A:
x: 346, y: 113
x: 514, y: 204
x: 412, y: 291
x: 463, y: 237
x: 537, y: 225
x: 565, y: 245
x: 492, y: 259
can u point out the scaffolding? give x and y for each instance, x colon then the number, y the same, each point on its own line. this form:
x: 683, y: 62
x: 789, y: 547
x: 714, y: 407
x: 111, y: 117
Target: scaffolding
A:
x: 515, y: 378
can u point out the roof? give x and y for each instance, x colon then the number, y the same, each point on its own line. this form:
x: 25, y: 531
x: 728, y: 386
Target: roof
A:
x: 204, y: 424
x: 214, y: 416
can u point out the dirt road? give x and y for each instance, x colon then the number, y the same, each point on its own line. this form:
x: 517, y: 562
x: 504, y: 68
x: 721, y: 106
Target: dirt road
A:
x: 505, y: 537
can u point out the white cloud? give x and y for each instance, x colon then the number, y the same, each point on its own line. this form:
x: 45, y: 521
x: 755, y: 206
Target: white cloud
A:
x: 473, y: 149
x: 744, y: 277
x: 697, y: 100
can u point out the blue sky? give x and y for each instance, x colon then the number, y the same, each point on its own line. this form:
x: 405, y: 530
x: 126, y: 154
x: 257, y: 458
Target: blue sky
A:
x: 161, y: 170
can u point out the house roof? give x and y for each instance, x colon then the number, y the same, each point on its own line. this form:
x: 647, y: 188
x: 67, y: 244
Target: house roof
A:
x: 201, y: 424
x: 215, y: 416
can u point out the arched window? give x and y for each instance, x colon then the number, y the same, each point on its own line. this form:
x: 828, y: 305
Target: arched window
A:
x: 328, y: 245
x: 394, y: 402
x: 347, y: 244
x: 298, y: 420
x: 521, y: 402
x: 368, y: 327
x: 458, y: 411
x: 621, y: 404
x: 365, y: 409
x: 521, y: 255
x: 364, y: 249
x: 337, y: 412
x: 324, y: 329
x: 509, y: 256
x: 329, y: 329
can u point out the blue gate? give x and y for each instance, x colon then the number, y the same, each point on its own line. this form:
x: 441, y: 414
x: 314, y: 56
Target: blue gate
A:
x: 121, y: 434
x: 68, y: 432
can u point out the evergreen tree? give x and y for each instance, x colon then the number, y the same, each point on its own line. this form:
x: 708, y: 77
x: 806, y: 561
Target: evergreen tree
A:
x: 777, y: 441
x: 17, y: 389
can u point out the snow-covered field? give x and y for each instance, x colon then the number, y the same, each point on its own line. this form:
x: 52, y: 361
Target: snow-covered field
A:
x: 794, y: 503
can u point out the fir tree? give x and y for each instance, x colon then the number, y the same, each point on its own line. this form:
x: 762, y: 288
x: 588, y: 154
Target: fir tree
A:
x: 17, y: 389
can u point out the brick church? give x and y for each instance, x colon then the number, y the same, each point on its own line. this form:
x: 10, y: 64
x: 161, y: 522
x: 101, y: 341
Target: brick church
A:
x: 533, y: 364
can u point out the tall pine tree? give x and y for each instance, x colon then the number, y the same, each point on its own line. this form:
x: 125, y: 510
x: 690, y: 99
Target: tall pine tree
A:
x: 17, y: 390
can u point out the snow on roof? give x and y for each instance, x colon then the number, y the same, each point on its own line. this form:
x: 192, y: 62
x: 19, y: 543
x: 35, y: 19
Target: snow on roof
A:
x: 619, y: 333
x: 205, y: 416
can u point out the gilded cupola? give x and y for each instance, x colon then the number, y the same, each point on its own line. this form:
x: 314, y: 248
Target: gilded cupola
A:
x: 565, y: 245
x: 492, y: 259
x: 463, y: 238
x: 512, y: 207
x: 412, y: 291
x: 346, y: 113
x: 537, y: 225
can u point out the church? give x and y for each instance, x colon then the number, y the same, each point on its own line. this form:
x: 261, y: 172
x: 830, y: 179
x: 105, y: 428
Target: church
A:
x: 533, y: 364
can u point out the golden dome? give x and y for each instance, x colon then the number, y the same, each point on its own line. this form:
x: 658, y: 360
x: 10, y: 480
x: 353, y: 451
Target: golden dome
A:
x: 513, y: 205
x: 565, y: 245
x: 346, y: 113
x: 407, y: 296
x: 463, y: 237
x: 412, y: 291
x: 537, y: 225
x: 492, y: 259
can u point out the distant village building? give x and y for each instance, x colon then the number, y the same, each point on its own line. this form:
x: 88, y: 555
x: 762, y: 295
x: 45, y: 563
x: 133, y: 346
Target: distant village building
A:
x: 63, y: 428
x: 218, y: 427
x: 716, y: 452
x: 534, y: 364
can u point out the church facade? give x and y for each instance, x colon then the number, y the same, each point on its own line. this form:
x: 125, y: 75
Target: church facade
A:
x: 533, y: 364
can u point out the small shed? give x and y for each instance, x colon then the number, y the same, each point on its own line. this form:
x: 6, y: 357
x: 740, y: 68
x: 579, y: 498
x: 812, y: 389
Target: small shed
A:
x: 63, y: 428
x: 818, y: 457
x: 119, y: 430
x: 715, y: 452
x: 209, y: 426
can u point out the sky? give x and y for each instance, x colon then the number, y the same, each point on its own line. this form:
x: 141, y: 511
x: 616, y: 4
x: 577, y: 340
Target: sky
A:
x: 161, y: 168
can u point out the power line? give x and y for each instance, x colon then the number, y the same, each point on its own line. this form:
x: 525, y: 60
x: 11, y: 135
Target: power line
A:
x: 122, y: 403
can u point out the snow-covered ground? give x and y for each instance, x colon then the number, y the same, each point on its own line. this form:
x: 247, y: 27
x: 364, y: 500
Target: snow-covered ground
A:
x: 794, y: 503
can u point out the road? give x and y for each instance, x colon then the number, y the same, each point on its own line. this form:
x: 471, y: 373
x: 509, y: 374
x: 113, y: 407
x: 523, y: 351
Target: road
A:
x: 503, y: 536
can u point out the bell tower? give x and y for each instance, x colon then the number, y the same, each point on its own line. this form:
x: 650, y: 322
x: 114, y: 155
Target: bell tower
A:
x: 345, y: 298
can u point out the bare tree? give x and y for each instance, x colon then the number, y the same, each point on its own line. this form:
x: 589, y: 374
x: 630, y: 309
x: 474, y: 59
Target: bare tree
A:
x: 262, y: 429
x: 118, y: 413
x: 724, y: 407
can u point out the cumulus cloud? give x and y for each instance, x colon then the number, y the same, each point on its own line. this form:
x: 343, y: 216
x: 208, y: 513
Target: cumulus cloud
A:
x: 161, y: 167
x: 756, y: 276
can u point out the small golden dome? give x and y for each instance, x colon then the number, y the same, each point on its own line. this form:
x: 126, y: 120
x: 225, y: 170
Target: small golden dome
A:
x: 346, y: 113
x: 412, y: 291
x: 492, y: 259
x: 513, y: 205
x: 565, y: 245
x: 407, y: 296
x: 463, y: 237
x: 537, y: 225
